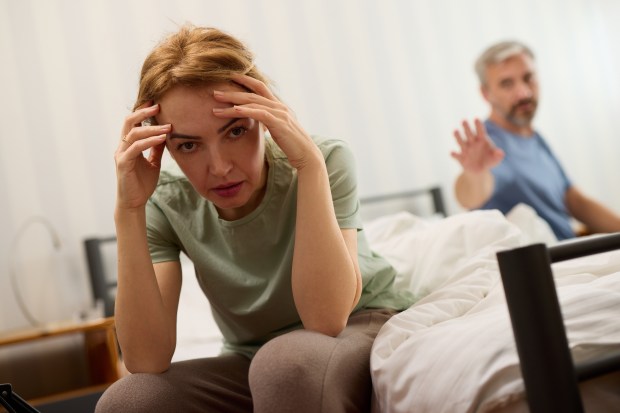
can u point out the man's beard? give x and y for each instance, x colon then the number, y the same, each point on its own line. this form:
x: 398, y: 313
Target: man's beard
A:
x: 521, y: 119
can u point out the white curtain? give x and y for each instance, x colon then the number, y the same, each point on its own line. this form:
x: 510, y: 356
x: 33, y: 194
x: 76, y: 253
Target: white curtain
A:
x: 393, y: 77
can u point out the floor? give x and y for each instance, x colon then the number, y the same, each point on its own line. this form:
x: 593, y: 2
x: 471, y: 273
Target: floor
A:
x: 81, y: 404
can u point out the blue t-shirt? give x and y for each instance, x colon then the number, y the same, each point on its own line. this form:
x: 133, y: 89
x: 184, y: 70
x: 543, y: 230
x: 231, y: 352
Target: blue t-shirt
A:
x: 532, y: 175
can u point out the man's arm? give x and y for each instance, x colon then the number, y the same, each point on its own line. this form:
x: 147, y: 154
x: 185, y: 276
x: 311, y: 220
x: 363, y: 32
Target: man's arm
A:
x: 478, y: 156
x: 473, y: 189
x: 593, y: 214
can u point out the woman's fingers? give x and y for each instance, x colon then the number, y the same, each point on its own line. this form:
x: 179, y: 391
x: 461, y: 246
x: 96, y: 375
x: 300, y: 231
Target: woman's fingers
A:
x: 136, y: 118
x: 157, y: 152
x: 259, y: 112
x: 143, y: 144
x: 256, y: 92
x: 245, y: 98
x: 139, y: 133
x: 255, y: 86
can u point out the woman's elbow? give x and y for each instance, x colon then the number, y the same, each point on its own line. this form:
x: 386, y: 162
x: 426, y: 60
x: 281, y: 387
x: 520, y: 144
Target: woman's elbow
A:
x: 146, y: 366
x: 143, y: 361
x: 326, y: 326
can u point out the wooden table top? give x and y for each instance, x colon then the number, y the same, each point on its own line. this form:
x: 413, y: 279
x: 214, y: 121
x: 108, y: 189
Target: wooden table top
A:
x: 55, y: 329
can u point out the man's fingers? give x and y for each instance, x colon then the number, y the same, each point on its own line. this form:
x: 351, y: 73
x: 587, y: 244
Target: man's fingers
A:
x: 481, y: 130
x: 468, y: 131
x: 459, y: 139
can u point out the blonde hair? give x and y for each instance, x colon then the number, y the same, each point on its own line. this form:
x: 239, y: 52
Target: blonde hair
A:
x: 194, y: 56
x: 498, y: 53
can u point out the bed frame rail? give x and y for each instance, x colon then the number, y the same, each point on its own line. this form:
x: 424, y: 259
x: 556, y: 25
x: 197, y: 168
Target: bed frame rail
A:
x: 549, y: 374
x: 434, y: 192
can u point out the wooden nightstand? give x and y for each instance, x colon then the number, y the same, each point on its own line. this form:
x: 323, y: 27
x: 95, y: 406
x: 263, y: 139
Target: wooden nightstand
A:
x: 100, y: 350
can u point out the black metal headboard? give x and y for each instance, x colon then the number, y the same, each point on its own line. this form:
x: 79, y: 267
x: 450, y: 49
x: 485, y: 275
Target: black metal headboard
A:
x: 433, y: 194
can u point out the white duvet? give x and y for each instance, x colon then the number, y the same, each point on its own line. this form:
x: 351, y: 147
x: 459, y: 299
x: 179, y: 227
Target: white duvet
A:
x: 453, y: 351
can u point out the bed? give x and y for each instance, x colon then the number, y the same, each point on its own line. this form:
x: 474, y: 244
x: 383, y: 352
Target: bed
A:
x: 549, y: 373
x: 454, y: 350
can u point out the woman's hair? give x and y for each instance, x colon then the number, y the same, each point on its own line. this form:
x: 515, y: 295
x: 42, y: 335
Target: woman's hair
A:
x: 498, y: 53
x: 194, y: 56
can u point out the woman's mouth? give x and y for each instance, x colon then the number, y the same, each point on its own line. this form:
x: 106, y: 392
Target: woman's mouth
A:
x: 228, y: 190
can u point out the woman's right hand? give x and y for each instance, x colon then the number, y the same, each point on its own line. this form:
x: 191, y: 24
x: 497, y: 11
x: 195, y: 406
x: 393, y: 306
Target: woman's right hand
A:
x: 137, y: 175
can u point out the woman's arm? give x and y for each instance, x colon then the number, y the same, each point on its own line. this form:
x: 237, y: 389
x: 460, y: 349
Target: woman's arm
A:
x: 147, y: 299
x: 327, y: 283
x: 325, y: 275
x: 147, y: 296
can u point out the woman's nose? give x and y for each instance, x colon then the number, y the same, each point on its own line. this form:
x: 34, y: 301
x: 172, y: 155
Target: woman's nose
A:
x: 219, y: 164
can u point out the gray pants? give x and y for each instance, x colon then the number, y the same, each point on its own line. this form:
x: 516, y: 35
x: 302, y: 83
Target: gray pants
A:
x: 301, y: 371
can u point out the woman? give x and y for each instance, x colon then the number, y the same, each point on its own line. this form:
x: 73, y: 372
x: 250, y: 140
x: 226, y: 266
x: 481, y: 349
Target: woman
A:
x: 270, y: 218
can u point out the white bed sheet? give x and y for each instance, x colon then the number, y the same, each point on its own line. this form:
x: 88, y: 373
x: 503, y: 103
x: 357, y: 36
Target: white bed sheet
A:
x: 198, y: 335
x: 453, y: 351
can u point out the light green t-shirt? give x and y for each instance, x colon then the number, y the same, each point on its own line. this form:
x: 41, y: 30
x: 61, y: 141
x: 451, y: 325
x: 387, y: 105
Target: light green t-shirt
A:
x: 244, y: 266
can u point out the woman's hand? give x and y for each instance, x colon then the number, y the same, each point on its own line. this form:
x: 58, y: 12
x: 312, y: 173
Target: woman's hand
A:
x: 478, y: 153
x: 263, y: 106
x: 137, y: 175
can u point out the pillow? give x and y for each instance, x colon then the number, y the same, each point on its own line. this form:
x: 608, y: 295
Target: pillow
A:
x: 534, y: 228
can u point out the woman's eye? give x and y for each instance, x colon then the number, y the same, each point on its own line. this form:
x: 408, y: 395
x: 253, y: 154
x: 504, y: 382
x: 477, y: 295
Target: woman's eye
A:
x: 237, y: 132
x: 186, y: 146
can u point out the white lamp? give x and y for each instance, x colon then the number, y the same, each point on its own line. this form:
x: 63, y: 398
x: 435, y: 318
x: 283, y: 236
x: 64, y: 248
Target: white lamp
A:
x: 39, y: 220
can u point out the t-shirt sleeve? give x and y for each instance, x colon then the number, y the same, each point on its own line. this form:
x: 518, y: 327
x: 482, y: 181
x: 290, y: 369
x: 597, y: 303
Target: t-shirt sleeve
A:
x: 163, y: 243
x: 340, y: 163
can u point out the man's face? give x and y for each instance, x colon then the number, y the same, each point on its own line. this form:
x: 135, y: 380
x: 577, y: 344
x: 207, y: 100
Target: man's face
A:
x: 512, y: 90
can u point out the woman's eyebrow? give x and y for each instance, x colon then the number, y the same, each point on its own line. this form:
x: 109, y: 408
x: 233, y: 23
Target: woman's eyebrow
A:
x: 176, y: 135
x: 230, y: 122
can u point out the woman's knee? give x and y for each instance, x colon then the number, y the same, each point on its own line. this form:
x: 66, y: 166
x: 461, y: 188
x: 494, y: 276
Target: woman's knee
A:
x: 293, y: 359
x: 136, y: 393
x: 286, y: 368
x: 290, y: 357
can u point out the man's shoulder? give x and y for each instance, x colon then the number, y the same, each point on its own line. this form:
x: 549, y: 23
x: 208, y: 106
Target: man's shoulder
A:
x: 501, y: 136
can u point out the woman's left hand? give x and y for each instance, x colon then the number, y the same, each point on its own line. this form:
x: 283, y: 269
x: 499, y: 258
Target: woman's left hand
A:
x: 263, y: 106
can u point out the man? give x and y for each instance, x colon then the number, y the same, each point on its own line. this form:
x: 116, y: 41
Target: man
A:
x: 506, y: 161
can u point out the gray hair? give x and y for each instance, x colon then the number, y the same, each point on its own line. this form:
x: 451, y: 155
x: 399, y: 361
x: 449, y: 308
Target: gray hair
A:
x: 498, y: 53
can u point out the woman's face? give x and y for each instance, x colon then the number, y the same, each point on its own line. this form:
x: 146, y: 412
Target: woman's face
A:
x: 224, y: 159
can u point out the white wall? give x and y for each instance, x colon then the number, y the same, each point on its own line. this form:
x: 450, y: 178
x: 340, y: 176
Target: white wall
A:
x: 393, y: 77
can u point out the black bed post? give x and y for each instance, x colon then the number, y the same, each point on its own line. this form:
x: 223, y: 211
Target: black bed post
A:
x: 546, y: 363
x: 438, y: 201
